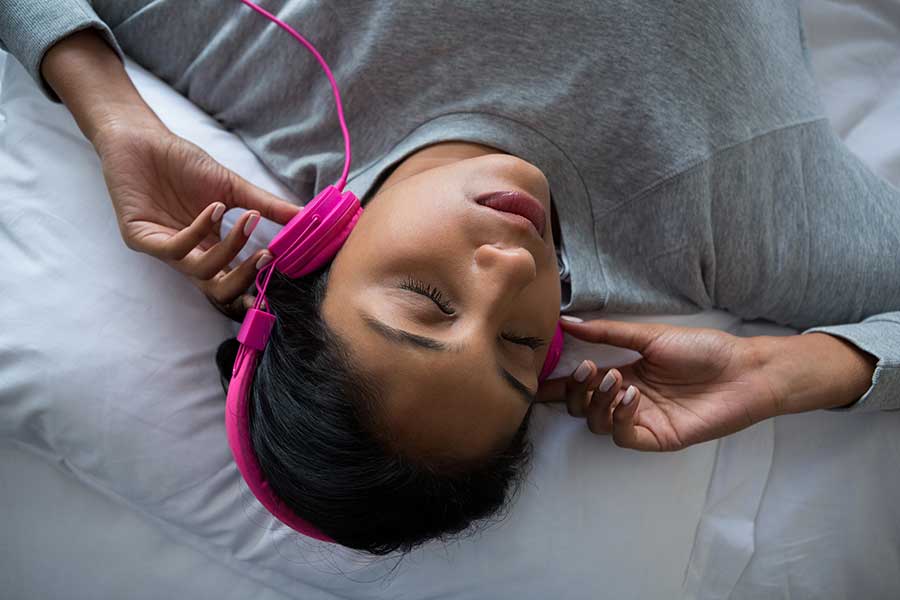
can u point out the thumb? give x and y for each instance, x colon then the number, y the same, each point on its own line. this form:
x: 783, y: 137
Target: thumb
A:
x: 635, y: 336
x: 246, y: 195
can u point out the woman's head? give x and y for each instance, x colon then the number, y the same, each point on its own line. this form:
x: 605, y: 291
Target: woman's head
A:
x: 454, y: 384
x: 384, y: 444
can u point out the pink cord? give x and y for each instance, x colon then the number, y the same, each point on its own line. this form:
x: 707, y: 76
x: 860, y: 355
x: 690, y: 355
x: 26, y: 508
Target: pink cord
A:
x: 261, y: 291
x: 337, y: 96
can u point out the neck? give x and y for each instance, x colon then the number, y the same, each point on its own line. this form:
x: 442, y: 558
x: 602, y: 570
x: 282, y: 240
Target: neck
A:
x: 437, y: 155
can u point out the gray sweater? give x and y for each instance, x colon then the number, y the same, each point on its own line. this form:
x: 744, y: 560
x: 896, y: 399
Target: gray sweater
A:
x: 689, y: 156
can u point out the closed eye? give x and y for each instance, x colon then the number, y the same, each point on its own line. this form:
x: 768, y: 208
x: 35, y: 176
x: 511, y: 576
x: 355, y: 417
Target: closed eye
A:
x: 429, y: 291
x: 420, y: 287
x: 532, y: 342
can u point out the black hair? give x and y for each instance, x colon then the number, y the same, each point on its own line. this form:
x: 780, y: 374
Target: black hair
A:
x: 317, y: 434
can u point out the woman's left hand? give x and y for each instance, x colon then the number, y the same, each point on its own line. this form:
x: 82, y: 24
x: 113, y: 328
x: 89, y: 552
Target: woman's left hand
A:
x: 692, y: 385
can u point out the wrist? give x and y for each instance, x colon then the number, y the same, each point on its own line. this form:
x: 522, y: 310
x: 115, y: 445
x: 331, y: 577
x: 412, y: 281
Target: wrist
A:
x: 91, y: 81
x: 813, y: 371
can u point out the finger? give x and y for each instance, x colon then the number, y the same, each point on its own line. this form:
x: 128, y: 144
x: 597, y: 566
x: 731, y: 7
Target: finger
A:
x: 180, y: 244
x: 552, y: 390
x: 578, y: 386
x: 232, y: 285
x: 569, y: 389
x: 232, y: 310
x: 599, y: 412
x: 205, y: 265
x: 246, y: 195
x: 636, y: 336
x: 625, y: 433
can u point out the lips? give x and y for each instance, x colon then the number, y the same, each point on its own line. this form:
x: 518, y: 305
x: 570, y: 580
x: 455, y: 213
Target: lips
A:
x: 517, y: 203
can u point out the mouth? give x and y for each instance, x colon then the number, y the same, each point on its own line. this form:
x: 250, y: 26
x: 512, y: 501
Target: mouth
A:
x: 518, y: 204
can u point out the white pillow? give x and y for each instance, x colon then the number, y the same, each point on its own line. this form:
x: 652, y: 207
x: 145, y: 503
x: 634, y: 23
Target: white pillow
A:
x: 108, y: 367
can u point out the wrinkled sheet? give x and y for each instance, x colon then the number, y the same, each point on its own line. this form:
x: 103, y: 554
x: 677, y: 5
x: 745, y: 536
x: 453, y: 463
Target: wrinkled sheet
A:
x: 108, y: 374
x: 822, y: 518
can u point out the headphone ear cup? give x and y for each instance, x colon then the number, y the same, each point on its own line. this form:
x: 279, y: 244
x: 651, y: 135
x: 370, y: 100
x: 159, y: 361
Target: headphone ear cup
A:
x: 316, y: 233
x: 335, y: 243
x: 553, y: 353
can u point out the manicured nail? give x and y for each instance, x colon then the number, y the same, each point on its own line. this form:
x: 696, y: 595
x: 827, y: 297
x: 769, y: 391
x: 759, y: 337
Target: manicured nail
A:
x: 571, y: 319
x: 608, y: 380
x: 582, y: 372
x: 263, y: 261
x: 218, y: 211
x: 630, y: 393
x: 250, y: 225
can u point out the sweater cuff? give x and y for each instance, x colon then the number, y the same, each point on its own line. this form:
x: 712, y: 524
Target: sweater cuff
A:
x: 31, y: 28
x: 879, y: 337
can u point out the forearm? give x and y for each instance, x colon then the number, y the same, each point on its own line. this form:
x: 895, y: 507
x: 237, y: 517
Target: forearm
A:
x: 89, y: 78
x: 813, y: 371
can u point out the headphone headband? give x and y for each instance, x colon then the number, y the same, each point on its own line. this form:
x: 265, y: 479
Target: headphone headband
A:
x: 306, y: 243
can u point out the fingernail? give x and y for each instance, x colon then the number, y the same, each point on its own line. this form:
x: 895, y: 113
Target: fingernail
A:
x: 250, y: 225
x: 263, y: 261
x: 571, y: 319
x: 608, y: 380
x: 582, y: 372
x: 218, y: 211
x: 630, y: 393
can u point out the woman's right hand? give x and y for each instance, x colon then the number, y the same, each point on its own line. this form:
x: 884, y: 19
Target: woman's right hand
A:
x: 164, y: 189
x: 169, y: 196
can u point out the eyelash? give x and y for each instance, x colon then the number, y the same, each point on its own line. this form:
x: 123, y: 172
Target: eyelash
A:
x: 420, y: 287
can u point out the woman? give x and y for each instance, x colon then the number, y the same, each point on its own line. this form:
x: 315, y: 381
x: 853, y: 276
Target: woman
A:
x: 681, y: 157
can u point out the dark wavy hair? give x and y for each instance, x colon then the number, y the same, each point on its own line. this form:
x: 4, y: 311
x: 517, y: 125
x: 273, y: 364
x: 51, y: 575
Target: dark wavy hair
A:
x: 317, y: 431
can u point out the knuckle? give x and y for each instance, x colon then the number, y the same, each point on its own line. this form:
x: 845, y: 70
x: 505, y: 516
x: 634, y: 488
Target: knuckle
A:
x: 217, y: 295
x: 206, y: 268
x: 207, y: 272
x: 194, y: 269
x: 173, y: 253
x: 229, y: 188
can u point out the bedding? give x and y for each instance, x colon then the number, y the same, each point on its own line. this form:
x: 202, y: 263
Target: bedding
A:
x: 109, y: 373
x: 112, y: 418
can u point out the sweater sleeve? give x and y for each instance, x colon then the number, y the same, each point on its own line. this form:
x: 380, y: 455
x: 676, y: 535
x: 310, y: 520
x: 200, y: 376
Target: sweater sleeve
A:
x: 28, y: 28
x: 879, y: 335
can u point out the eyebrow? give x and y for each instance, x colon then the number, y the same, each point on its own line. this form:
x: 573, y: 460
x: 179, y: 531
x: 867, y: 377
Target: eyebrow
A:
x: 399, y: 336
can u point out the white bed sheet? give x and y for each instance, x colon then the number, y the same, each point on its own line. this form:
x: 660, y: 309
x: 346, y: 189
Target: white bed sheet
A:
x: 822, y: 520
x: 777, y: 520
x: 114, y: 381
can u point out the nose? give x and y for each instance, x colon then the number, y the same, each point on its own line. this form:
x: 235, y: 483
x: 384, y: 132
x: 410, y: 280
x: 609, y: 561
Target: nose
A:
x: 504, y: 271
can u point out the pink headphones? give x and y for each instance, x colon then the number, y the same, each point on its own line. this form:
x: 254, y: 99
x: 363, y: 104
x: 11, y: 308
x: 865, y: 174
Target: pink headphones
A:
x: 305, y: 244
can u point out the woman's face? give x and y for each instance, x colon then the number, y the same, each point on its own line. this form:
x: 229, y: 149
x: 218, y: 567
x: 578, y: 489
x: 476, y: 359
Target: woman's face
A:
x: 433, y: 292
